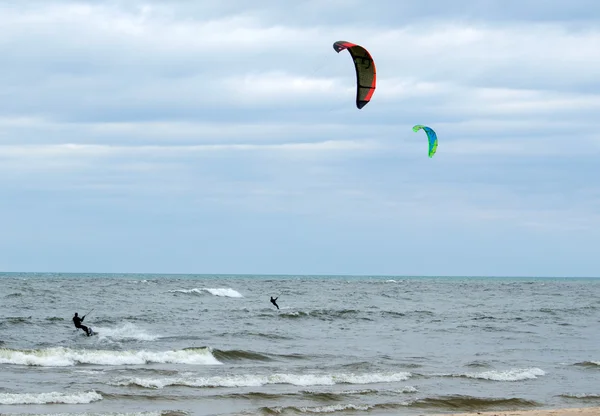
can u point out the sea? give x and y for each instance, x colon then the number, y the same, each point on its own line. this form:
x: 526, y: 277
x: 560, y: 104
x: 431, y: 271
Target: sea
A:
x: 337, y: 345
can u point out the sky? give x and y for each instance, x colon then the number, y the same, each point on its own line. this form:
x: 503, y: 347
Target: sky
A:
x: 223, y: 137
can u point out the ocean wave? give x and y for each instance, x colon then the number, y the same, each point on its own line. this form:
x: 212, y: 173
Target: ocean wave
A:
x: 460, y: 403
x: 477, y: 364
x: 332, y: 396
x: 49, y: 398
x: 517, y: 374
x: 579, y: 310
x: 392, y: 314
x: 55, y: 318
x: 254, y: 395
x: 14, y: 295
x: 15, y: 320
x: 335, y: 395
x: 422, y: 312
x: 238, y: 355
x: 324, y: 314
x: 464, y: 403
x: 222, y: 292
x: 581, y: 396
x: 252, y: 380
x: 323, y: 396
x: 588, y: 364
x: 278, y: 410
x: 483, y: 318
x: 268, y: 335
x: 356, y: 314
x: 65, y: 357
x: 241, y: 355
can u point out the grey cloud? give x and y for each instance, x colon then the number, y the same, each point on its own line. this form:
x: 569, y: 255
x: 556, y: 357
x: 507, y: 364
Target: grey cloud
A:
x: 149, y: 68
x: 381, y: 12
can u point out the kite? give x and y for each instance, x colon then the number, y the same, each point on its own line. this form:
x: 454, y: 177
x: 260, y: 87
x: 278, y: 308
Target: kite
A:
x: 365, y: 71
x: 433, y: 141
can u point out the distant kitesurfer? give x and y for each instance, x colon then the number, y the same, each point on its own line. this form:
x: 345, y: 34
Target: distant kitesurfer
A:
x: 77, y: 321
x: 273, y: 301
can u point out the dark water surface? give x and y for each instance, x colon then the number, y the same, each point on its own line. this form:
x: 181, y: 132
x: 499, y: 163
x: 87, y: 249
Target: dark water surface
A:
x: 214, y: 345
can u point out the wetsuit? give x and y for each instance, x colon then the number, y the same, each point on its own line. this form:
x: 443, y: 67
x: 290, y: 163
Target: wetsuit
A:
x: 77, y: 321
x: 273, y: 301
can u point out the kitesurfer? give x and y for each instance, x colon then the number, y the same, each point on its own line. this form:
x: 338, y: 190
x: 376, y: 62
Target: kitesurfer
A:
x: 273, y: 301
x: 77, y: 321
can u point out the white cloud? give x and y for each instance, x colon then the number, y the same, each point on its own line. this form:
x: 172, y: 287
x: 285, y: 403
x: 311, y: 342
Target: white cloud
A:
x: 274, y: 88
x: 71, y: 149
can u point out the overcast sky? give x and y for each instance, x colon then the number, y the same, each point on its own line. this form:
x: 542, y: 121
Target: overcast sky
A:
x: 223, y: 137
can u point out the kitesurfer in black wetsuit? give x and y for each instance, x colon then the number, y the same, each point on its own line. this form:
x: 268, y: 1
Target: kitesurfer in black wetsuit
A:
x: 273, y: 301
x: 77, y: 321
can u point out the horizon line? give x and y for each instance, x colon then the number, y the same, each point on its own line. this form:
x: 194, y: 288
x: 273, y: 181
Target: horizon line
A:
x: 309, y: 275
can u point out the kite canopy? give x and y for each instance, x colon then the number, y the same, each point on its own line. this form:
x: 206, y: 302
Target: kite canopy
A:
x: 365, y: 71
x: 433, y: 141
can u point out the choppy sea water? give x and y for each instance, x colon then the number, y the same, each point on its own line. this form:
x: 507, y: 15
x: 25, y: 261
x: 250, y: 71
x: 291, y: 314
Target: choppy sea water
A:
x: 215, y: 345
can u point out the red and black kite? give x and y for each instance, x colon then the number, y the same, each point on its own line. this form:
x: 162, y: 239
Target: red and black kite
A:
x: 365, y: 71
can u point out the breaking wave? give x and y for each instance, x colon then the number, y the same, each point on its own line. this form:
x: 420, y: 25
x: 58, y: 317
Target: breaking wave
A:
x: 65, y: 357
x: 324, y: 314
x: 581, y: 396
x: 239, y: 355
x: 48, y: 398
x: 588, y: 364
x: 124, y: 332
x: 223, y: 292
x: 460, y: 403
x: 251, y: 380
x: 506, y: 375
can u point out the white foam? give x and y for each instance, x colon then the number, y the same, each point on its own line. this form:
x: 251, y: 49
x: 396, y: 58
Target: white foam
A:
x: 373, y: 378
x: 251, y: 380
x: 47, y: 398
x: 223, y: 292
x: 226, y: 292
x: 407, y: 389
x: 346, y: 392
x: 508, y: 375
x: 126, y: 331
x: 198, y: 291
x: 583, y: 396
x: 334, y: 408
x: 93, y: 372
x: 64, y: 357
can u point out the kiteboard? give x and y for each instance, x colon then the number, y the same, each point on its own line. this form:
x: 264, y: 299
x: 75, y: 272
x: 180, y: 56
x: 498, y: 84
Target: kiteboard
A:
x: 92, y: 332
